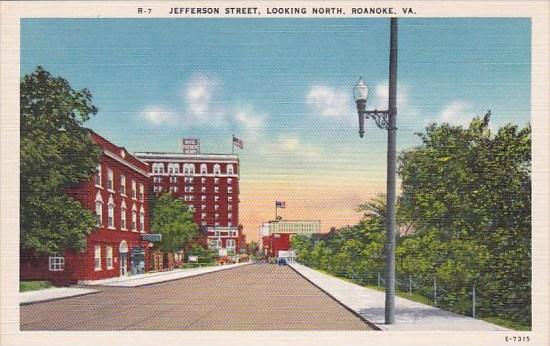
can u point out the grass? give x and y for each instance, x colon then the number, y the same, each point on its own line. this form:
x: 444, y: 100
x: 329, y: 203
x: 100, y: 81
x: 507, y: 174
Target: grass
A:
x: 427, y: 301
x: 34, y: 285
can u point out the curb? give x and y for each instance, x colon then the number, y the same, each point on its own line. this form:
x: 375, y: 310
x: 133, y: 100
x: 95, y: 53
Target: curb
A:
x: 369, y: 323
x: 58, y: 298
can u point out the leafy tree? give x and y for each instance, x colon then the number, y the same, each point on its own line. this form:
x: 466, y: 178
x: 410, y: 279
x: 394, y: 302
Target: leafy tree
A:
x: 204, y: 255
x: 252, y: 248
x: 173, y: 219
x: 56, y: 154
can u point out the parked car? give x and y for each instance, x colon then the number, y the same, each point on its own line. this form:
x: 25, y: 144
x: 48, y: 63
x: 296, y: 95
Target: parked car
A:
x: 281, y: 261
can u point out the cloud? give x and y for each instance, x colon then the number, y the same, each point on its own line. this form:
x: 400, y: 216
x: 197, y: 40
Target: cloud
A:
x: 199, y: 94
x: 249, y: 123
x: 158, y: 115
x: 380, y: 97
x: 457, y: 112
x: 329, y: 102
x: 290, y: 145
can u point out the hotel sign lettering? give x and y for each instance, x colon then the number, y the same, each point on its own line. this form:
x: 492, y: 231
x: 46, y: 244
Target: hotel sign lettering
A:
x: 190, y: 146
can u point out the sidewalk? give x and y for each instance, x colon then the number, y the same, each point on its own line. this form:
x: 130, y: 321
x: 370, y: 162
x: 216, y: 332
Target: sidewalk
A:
x: 52, y: 294
x: 409, y: 315
x: 153, y: 278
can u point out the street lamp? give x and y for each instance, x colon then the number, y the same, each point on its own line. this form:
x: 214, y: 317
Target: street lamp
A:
x: 385, y: 119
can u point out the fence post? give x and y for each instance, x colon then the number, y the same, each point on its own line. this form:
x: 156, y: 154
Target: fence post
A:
x: 378, y: 279
x: 435, y: 291
x: 474, y: 301
x: 410, y: 285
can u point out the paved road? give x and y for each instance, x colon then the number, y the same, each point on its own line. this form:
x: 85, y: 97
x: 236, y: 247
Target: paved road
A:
x: 253, y: 297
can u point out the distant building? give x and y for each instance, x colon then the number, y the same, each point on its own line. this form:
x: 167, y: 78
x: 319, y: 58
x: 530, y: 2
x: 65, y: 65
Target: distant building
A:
x: 277, y: 235
x: 118, y: 197
x: 209, y: 183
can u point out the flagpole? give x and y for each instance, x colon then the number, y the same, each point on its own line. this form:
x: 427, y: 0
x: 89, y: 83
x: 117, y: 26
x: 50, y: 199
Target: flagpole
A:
x: 232, y: 144
x: 275, y: 211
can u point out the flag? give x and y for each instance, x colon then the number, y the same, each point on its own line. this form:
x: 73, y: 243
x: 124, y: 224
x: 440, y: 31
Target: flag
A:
x: 237, y: 142
x: 280, y: 204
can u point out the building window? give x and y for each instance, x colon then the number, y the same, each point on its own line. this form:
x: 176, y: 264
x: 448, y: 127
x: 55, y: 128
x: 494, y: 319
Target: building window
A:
x: 216, y: 198
x: 110, y: 178
x: 98, y: 213
x: 97, y: 257
x: 189, y: 189
x: 157, y: 189
x: 229, y: 180
x: 217, y: 169
x: 204, y: 170
x: 230, y: 216
x: 203, y: 223
x: 203, y: 198
x: 229, y: 207
x: 173, y: 189
x: 216, y: 216
x: 158, y: 168
x: 188, y: 169
x: 229, y: 169
x: 56, y: 263
x: 203, y: 189
x: 214, y: 243
x: 123, y: 185
x: 216, y: 180
x: 157, y: 179
x: 203, y: 180
x: 123, y: 217
x: 134, y: 218
x: 98, y: 175
x: 173, y: 168
x: 203, y: 216
x: 111, y: 213
x: 216, y: 224
x: 173, y: 180
x: 188, y: 180
x: 141, y: 220
x: 134, y: 190
x: 109, y: 257
x: 229, y: 224
x: 230, y: 199
x: 141, y: 193
x: 203, y: 207
x: 216, y: 207
x: 229, y: 189
x: 230, y: 243
x: 217, y: 189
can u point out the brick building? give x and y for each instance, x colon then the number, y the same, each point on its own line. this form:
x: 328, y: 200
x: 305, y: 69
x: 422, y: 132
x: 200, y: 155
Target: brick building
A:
x: 277, y: 235
x: 209, y: 183
x: 118, y: 197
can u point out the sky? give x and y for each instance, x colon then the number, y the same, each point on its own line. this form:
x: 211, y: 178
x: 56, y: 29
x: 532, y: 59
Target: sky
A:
x: 284, y: 86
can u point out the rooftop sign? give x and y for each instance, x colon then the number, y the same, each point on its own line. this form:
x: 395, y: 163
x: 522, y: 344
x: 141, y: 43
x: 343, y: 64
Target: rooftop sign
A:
x: 191, y: 146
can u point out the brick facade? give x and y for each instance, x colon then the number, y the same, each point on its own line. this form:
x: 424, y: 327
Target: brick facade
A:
x: 118, y: 192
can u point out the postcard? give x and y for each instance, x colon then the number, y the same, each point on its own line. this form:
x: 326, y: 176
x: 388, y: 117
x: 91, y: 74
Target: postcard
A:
x: 273, y: 172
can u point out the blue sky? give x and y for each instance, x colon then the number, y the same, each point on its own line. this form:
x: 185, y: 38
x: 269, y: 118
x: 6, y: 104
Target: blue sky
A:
x: 285, y: 87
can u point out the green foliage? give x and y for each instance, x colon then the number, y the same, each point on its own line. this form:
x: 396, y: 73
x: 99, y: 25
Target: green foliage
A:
x: 56, y: 153
x: 464, y: 220
x: 205, y: 255
x: 34, y: 285
x: 173, y: 219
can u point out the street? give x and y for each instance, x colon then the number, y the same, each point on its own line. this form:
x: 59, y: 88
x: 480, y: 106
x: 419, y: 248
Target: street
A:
x: 252, y: 297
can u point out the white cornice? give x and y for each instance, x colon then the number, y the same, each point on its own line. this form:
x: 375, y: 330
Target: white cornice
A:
x: 126, y: 163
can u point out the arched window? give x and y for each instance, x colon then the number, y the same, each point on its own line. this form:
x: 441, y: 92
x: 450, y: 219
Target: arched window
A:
x: 134, y: 218
x: 123, y: 215
x: 204, y: 170
x: 173, y: 168
x: 98, y: 209
x: 158, y: 168
x: 141, y: 219
x: 189, y: 169
x: 111, y: 213
x: 230, y: 170
x: 217, y: 169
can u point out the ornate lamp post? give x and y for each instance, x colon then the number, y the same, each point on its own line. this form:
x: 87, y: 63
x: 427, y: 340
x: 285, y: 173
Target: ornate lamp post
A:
x: 385, y: 119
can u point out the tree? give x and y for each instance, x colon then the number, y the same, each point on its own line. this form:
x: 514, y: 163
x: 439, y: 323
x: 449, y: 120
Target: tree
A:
x: 473, y: 189
x: 173, y: 219
x: 56, y: 153
x: 252, y: 248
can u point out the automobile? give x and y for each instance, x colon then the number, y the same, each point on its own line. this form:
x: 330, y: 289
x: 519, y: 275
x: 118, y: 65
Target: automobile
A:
x: 281, y: 261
